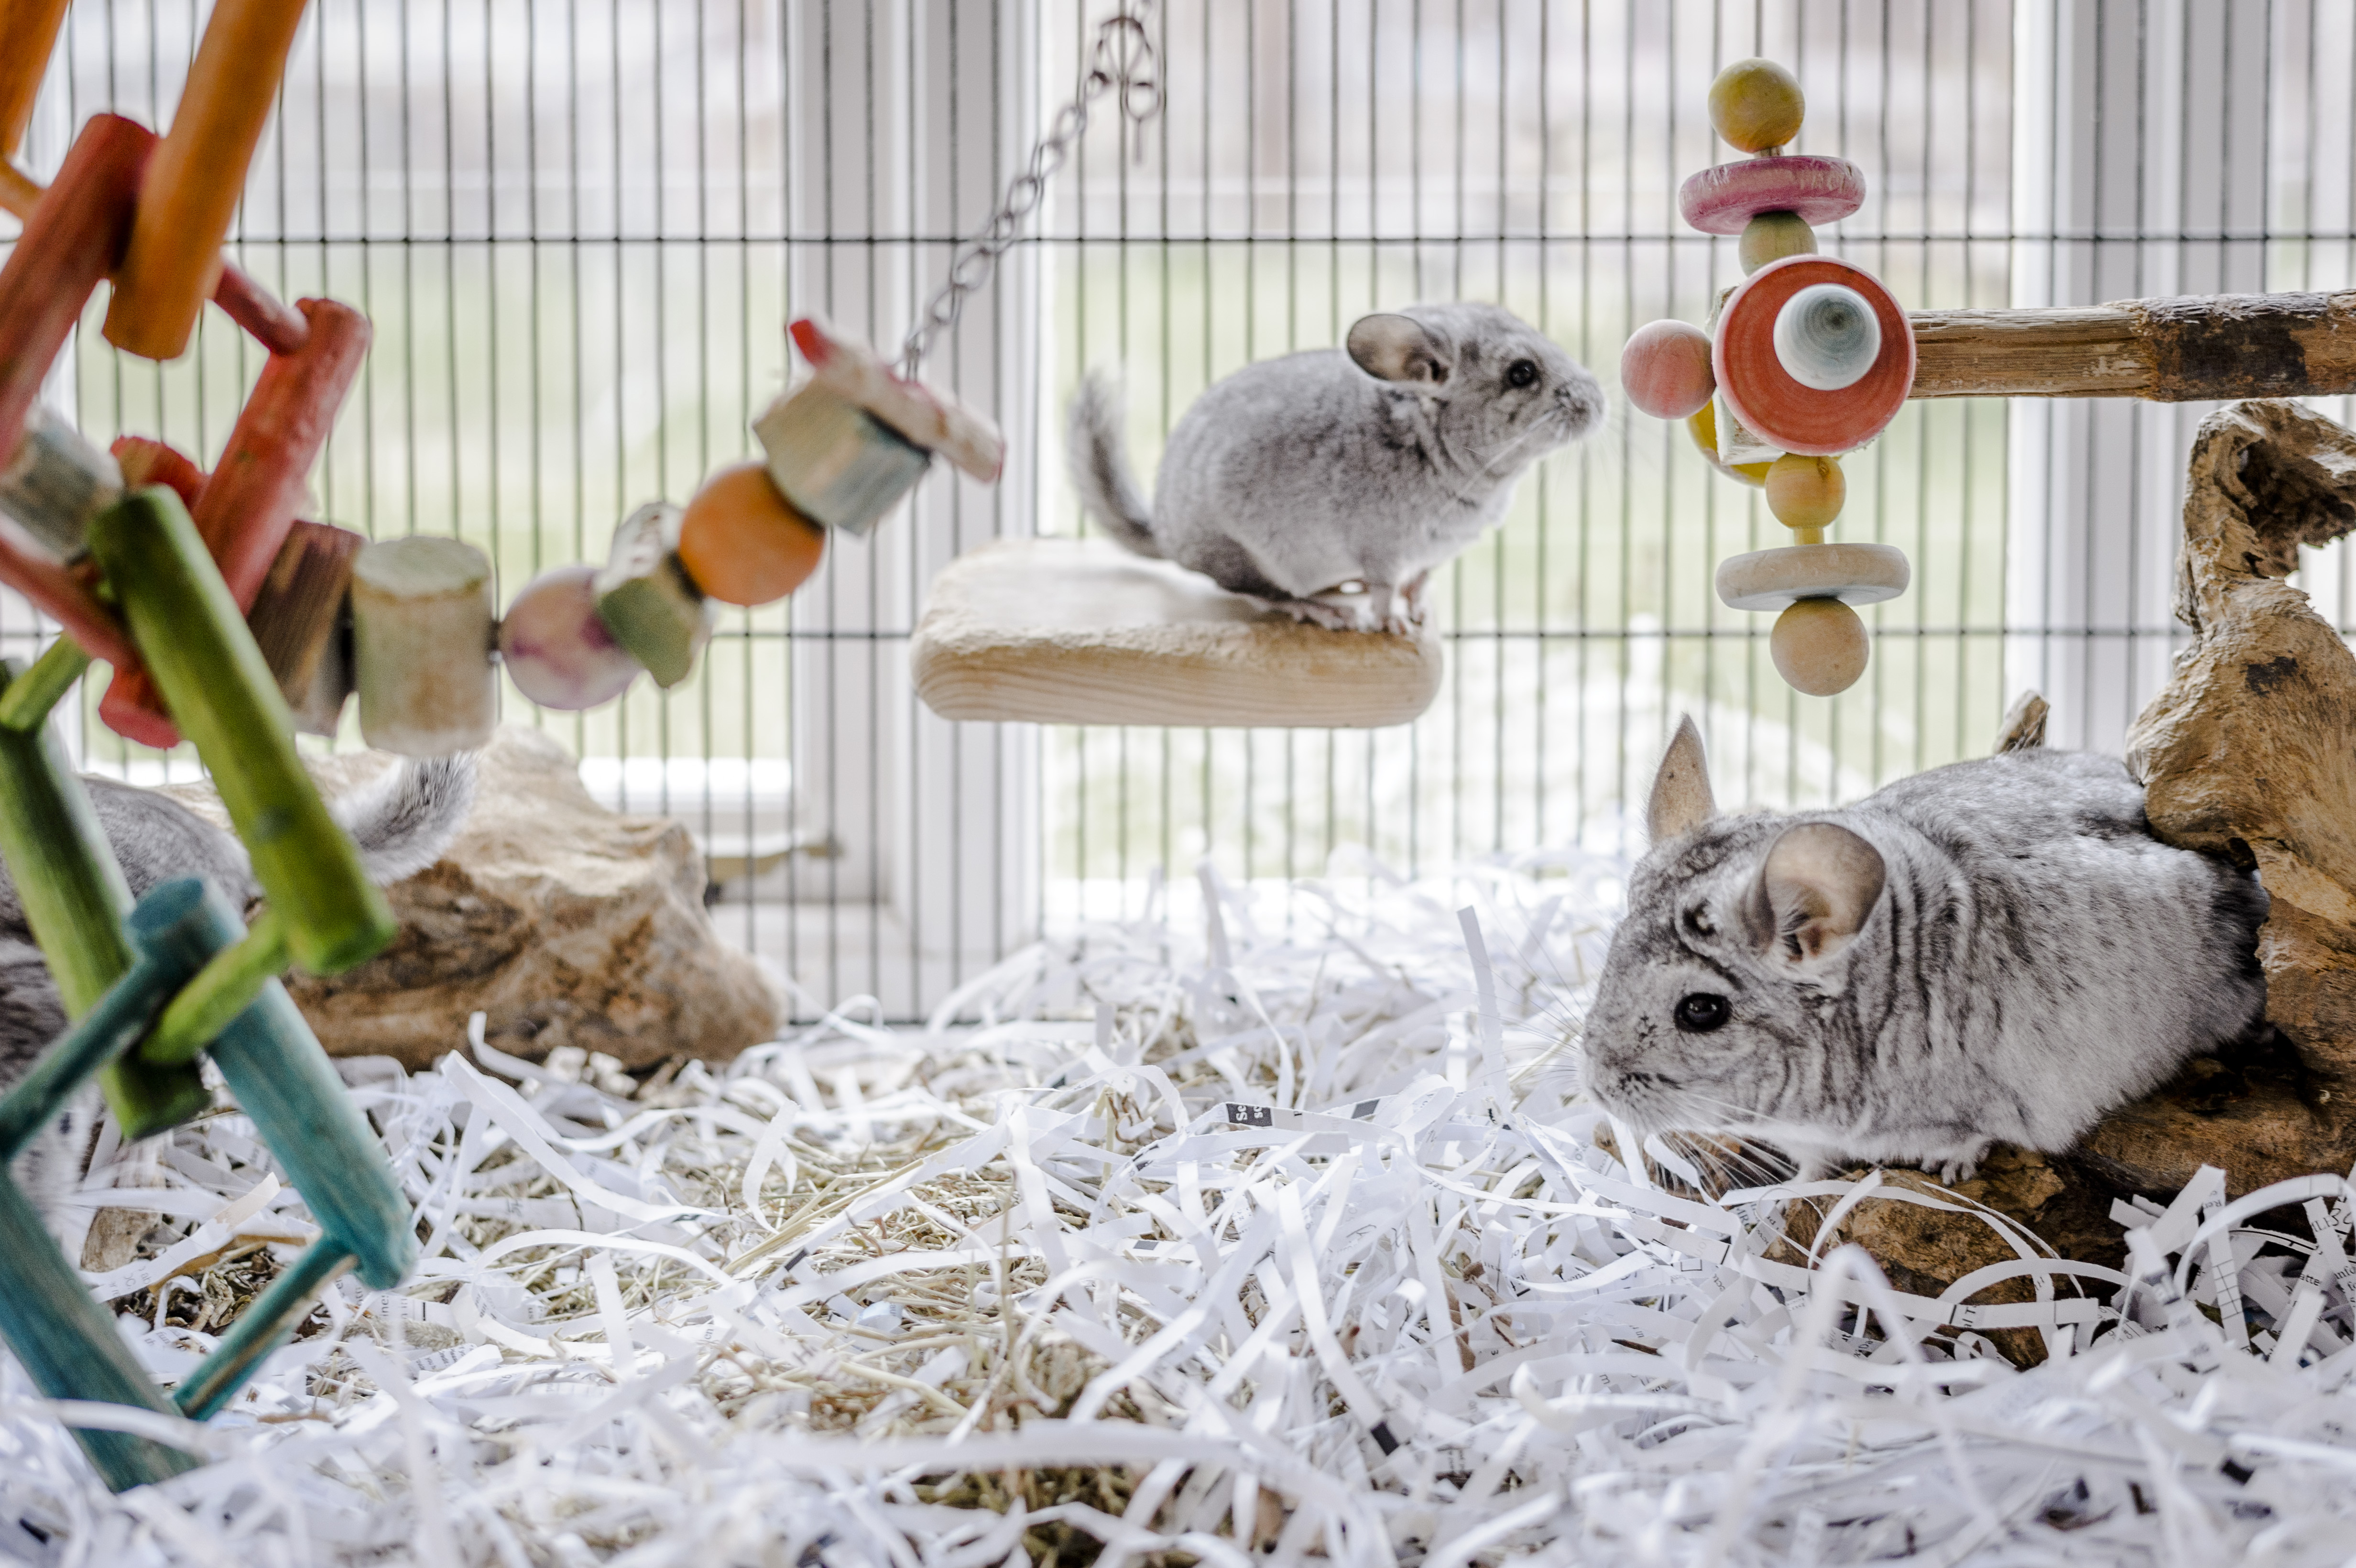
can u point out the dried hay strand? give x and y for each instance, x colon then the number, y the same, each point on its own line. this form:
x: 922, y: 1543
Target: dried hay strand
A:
x: 1237, y: 1236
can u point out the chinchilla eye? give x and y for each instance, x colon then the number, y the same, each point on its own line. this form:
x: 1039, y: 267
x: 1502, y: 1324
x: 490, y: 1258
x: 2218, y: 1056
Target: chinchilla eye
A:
x: 1697, y: 920
x: 1700, y: 1012
x: 1522, y: 373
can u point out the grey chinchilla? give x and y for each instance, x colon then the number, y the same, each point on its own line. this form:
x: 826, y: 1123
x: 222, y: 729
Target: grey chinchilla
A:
x: 402, y: 820
x: 1296, y: 479
x: 1994, y: 951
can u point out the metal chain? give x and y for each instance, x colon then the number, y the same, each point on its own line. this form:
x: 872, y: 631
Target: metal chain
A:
x: 1122, y: 57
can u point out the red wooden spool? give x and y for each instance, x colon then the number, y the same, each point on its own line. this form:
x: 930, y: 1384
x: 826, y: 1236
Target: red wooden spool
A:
x: 1778, y: 409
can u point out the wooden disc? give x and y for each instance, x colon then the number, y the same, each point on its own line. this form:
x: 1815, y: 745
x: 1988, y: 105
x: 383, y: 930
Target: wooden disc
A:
x: 1763, y: 395
x: 1724, y: 199
x: 1853, y: 573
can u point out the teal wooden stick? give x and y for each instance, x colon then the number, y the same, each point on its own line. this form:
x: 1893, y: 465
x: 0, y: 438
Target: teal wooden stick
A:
x: 75, y: 900
x: 225, y: 988
x: 267, y: 1322
x: 222, y: 695
x: 66, y: 1342
x: 105, y: 1032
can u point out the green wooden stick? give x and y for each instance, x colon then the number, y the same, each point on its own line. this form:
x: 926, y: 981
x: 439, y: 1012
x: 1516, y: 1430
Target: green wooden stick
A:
x: 75, y: 899
x: 66, y: 1343
x: 220, y: 693
x: 26, y: 705
x: 105, y: 1032
x: 222, y: 989
x: 265, y: 1324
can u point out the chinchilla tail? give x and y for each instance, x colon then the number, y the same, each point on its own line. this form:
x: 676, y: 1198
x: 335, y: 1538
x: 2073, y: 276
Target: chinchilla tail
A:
x: 1100, y: 463
x: 405, y: 817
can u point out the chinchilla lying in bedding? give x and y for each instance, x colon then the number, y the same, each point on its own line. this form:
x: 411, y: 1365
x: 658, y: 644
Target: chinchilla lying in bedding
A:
x: 402, y: 820
x: 1298, y: 479
x: 1995, y: 951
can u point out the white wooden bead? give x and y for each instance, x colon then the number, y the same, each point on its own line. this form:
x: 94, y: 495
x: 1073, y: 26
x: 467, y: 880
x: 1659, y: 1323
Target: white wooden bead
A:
x: 1827, y: 337
x: 422, y: 630
x: 1852, y: 573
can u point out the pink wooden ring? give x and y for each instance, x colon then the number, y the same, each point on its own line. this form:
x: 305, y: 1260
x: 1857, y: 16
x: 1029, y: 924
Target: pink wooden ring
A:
x: 1778, y: 409
x: 1721, y: 200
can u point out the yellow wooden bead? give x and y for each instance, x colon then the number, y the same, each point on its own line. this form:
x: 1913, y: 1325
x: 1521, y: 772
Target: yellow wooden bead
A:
x: 1806, y: 492
x: 1820, y: 646
x: 1756, y: 104
x: 1771, y: 236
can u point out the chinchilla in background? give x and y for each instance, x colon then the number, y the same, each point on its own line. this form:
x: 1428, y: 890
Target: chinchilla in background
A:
x: 1994, y: 951
x: 1332, y: 481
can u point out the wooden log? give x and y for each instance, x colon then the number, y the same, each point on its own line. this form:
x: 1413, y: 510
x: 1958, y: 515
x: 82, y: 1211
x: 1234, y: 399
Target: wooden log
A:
x: 422, y: 630
x: 55, y: 481
x: 248, y: 505
x: 220, y: 691
x: 301, y: 622
x: 646, y: 596
x: 28, y: 32
x: 274, y: 323
x: 2196, y: 349
x: 174, y: 257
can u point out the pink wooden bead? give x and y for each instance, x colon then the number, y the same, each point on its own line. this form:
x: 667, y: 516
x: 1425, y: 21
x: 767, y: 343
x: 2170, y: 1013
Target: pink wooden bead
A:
x: 557, y: 649
x: 1665, y: 370
x: 1723, y: 199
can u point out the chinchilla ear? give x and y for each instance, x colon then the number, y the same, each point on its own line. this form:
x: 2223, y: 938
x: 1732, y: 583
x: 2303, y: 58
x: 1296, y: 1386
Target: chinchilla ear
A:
x: 1393, y: 348
x: 1815, y: 888
x: 1681, y: 799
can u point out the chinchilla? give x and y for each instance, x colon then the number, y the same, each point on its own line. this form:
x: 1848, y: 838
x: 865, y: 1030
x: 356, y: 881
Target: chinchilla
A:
x: 1994, y: 951
x: 1333, y: 480
x: 402, y: 820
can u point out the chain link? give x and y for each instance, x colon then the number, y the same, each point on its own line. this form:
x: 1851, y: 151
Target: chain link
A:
x: 1121, y: 59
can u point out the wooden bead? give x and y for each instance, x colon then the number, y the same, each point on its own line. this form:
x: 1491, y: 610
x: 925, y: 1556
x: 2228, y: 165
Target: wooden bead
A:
x: 1805, y: 491
x: 1771, y: 236
x: 301, y: 621
x: 1724, y: 199
x: 1756, y: 104
x: 741, y: 542
x: 836, y: 462
x: 1820, y: 646
x: 199, y: 174
x: 1771, y: 579
x: 1703, y: 427
x: 654, y: 607
x: 556, y: 650
x: 1665, y: 370
x: 56, y: 482
x: 1827, y: 337
x: 422, y: 637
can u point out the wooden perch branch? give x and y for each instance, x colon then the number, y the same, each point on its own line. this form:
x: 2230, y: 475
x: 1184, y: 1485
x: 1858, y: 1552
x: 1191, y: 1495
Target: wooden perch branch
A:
x: 2195, y: 348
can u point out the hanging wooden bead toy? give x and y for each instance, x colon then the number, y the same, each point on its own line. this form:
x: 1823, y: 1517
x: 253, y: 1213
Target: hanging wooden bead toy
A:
x: 1808, y: 358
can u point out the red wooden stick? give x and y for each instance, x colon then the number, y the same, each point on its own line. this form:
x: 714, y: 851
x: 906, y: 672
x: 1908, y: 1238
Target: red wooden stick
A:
x: 146, y: 461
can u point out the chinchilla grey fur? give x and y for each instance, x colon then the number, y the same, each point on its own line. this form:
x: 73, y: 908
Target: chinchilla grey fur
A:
x: 1365, y: 465
x: 1995, y: 951
x: 402, y: 820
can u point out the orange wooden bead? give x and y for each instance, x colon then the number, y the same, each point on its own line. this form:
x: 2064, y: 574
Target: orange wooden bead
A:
x: 742, y: 543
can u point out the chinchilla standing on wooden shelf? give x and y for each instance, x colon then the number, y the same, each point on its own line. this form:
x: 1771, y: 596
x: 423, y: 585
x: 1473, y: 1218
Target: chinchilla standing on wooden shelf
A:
x: 1995, y: 950
x: 1335, y: 480
x: 402, y: 820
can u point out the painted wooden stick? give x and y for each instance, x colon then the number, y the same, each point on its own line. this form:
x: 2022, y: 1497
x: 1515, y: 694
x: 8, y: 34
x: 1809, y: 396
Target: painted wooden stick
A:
x: 2196, y: 349
x: 28, y: 32
x: 275, y: 325
x: 268, y: 1321
x: 200, y: 173
x: 421, y: 634
x: 248, y: 505
x: 55, y: 481
x: 212, y: 675
x: 301, y: 622
x: 147, y: 462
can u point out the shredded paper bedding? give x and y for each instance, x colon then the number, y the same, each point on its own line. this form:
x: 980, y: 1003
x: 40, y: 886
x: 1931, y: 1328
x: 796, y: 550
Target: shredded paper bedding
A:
x: 1239, y: 1236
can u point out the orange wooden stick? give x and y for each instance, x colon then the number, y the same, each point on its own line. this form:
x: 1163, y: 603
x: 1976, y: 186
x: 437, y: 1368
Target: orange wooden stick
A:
x: 28, y: 31
x: 184, y: 212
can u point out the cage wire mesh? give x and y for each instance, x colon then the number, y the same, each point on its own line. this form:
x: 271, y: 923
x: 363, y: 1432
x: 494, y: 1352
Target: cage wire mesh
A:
x: 579, y: 227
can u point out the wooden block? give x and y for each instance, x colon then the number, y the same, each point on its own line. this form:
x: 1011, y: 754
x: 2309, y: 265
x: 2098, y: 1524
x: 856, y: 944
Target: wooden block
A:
x: 929, y: 418
x: 837, y: 463
x: 653, y: 607
x: 28, y: 31
x: 221, y: 692
x: 1077, y: 632
x: 199, y: 174
x: 422, y: 631
x: 301, y: 622
x: 55, y: 483
x: 1853, y: 573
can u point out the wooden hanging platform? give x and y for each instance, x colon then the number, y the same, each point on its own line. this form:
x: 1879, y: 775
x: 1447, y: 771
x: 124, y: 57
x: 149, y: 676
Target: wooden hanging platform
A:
x: 1058, y: 631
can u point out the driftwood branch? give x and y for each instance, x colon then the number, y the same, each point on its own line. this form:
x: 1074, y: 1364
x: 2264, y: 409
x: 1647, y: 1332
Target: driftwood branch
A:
x: 2197, y: 348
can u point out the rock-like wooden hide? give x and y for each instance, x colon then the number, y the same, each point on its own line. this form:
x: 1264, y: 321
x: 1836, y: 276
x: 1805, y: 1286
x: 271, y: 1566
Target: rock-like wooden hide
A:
x: 563, y: 923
